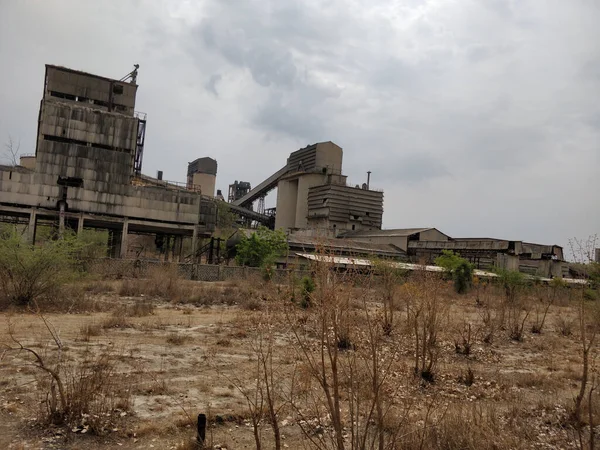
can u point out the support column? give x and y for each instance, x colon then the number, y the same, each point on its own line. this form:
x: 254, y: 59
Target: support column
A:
x: 124, y: 239
x: 32, y: 227
x: 61, y: 218
x: 194, y: 243
x: 80, y: 225
x: 177, y: 248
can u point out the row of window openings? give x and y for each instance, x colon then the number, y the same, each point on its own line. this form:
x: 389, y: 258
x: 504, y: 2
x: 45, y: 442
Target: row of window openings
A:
x: 75, y: 98
x: 63, y: 140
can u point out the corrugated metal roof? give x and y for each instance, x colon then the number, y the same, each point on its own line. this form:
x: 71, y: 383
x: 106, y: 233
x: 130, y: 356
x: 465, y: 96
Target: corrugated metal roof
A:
x: 362, y: 262
x: 389, y: 233
x: 348, y: 245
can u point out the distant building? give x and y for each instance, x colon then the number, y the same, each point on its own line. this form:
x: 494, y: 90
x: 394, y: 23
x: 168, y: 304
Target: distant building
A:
x: 314, y: 194
x: 423, y: 245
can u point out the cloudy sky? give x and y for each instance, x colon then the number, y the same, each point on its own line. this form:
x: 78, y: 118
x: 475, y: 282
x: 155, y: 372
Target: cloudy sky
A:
x: 478, y: 117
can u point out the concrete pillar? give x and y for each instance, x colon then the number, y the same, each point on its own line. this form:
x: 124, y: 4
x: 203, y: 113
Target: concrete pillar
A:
x: 177, y: 248
x: 114, y: 243
x: 61, y: 218
x: 80, y: 225
x: 194, y: 243
x: 124, y: 239
x: 32, y: 227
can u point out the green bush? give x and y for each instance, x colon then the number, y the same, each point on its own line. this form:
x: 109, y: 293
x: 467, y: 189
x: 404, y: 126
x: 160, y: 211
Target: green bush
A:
x: 458, y: 268
x: 591, y: 294
x: 512, y: 281
x: 262, y: 248
x: 32, y: 272
x: 463, y: 277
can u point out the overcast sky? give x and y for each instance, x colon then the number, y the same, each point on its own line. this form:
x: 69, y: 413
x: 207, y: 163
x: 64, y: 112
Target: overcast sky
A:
x: 478, y: 117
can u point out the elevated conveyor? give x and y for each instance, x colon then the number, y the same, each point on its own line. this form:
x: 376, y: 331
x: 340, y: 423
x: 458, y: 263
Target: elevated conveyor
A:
x: 261, y: 189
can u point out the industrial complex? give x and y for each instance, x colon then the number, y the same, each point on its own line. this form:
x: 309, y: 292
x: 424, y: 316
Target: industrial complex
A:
x: 87, y: 173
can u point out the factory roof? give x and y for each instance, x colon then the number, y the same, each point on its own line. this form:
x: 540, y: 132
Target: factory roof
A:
x: 395, y: 232
x: 345, y: 245
x: 363, y: 262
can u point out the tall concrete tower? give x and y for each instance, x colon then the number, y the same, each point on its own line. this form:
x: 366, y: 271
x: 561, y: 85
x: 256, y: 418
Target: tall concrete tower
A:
x: 203, y: 173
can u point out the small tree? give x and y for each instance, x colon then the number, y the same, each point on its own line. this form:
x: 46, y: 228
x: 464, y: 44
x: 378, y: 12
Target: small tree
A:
x: 517, y: 310
x: 389, y: 278
x: 261, y: 248
x: 459, y: 268
x: 11, y: 151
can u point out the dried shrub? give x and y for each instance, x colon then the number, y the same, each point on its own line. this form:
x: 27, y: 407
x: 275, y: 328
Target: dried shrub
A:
x: 139, y: 308
x: 88, y: 394
x: 162, y: 281
x: 467, y: 378
x: 90, y: 329
x: 564, y: 325
x: 426, y: 313
x: 465, y: 342
x: 176, y: 338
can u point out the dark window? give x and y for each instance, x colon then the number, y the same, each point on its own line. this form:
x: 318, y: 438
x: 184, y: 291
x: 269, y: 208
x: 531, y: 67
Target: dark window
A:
x: 118, y: 89
x: 353, y: 226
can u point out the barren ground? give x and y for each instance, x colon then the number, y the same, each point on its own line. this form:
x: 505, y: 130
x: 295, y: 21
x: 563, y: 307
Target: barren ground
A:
x: 182, y: 360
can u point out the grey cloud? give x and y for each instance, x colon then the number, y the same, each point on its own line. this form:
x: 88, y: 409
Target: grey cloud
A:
x: 459, y: 98
x: 211, y: 84
x: 416, y: 168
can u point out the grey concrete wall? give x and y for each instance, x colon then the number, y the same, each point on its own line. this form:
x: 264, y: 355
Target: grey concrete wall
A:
x: 154, y: 203
x: 71, y: 121
x: 329, y: 155
x: 206, y: 182
x: 103, y: 170
x: 27, y: 161
x: 91, y: 87
x: 287, y: 195
x: 317, y: 156
x: 305, y: 182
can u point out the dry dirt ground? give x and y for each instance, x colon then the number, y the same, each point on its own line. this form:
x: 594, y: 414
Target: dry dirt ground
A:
x: 181, y: 360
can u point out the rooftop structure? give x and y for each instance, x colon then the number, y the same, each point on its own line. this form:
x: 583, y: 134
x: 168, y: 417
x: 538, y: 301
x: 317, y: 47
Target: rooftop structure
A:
x: 202, y: 174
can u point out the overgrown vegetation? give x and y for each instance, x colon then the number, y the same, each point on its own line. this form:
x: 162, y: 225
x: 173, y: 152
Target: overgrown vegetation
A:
x: 459, y: 268
x: 262, y: 248
x: 29, y: 273
x: 363, y: 361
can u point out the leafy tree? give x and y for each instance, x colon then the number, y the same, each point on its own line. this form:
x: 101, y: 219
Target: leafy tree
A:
x: 459, y: 268
x: 261, y: 248
x: 30, y: 272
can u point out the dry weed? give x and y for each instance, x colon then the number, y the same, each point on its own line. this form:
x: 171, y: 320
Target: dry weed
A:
x: 176, y: 338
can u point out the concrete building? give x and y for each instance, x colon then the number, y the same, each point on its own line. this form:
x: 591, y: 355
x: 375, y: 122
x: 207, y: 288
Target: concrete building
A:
x: 202, y: 175
x: 400, y: 237
x: 87, y: 167
x: 423, y: 245
x: 313, y: 194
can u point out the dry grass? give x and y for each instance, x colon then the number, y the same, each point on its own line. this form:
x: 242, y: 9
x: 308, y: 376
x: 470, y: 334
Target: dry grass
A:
x: 176, y: 338
x: 89, y: 330
x: 488, y: 395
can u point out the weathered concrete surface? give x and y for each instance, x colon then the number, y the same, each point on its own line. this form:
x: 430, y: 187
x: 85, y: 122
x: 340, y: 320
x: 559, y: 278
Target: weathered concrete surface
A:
x: 85, y: 136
